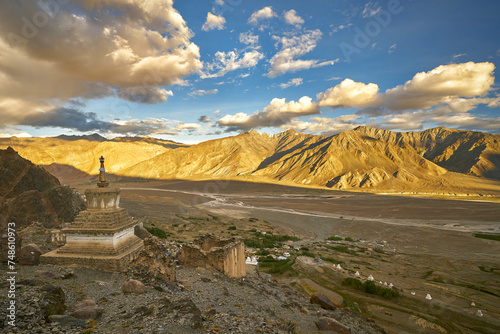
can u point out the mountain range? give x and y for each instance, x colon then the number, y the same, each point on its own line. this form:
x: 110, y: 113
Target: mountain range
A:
x: 435, y: 160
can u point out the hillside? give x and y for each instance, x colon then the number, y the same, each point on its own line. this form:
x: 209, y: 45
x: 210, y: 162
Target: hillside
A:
x: 28, y: 193
x: 438, y: 160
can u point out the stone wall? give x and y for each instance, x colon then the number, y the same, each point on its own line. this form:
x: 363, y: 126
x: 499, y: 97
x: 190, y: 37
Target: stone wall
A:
x: 225, y: 255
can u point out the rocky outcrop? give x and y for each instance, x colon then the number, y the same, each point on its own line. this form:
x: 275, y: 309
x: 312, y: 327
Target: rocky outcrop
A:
x: 329, y: 324
x: 28, y: 193
x: 87, y: 309
x: 322, y: 301
x: 53, y: 301
x: 156, y: 263
x: 133, y: 286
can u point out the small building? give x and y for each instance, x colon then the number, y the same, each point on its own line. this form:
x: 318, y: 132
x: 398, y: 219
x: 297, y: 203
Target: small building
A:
x: 225, y: 255
x: 101, y: 237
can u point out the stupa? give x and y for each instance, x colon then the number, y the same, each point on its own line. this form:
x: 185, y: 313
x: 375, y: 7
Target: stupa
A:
x: 101, y: 237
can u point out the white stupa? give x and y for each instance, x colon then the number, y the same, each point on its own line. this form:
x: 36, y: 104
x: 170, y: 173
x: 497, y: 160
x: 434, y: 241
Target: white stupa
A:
x: 357, y: 274
x: 479, y: 313
x: 428, y: 297
x: 370, y: 278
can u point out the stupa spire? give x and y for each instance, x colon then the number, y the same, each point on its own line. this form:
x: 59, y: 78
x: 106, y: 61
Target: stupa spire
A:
x: 102, y: 174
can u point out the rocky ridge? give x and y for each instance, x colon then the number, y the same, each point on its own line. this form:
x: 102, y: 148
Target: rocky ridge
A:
x: 28, y: 193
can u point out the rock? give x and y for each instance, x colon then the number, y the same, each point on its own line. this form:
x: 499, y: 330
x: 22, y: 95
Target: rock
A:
x: 141, y: 232
x: 66, y: 320
x: 265, y: 277
x: 87, y: 309
x: 30, y: 255
x: 53, y: 301
x: 68, y: 275
x: 322, y: 301
x: 329, y: 324
x: 303, y: 310
x: 133, y: 286
x: 187, y: 307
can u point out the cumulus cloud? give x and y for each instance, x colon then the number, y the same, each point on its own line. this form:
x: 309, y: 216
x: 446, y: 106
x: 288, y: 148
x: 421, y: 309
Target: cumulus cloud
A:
x: 292, y: 18
x: 349, y: 94
x: 293, y: 82
x: 423, y: 91
x: 277, y: 113
x: 249, y: 38
x: 201, y: 92
x: 292, y: 47
x: 213, y: 22
x: 88, y: 49
x: 264, y: 13
x: 441, y: 84
x: 230, y: 61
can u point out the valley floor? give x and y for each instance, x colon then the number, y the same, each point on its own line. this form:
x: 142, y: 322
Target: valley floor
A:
x: 425, y: 246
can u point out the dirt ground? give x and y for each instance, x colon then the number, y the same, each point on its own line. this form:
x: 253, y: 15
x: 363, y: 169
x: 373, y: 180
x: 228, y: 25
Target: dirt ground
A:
x: 424, y: 246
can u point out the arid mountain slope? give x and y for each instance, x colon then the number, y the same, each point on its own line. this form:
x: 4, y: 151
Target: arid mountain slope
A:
x: 226, y: 157
x: 467, y: 152
x: 435, y: 160
x: 75, y: 157
x: 28, y: 193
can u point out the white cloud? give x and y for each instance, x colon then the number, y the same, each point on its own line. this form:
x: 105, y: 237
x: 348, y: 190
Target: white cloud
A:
x: 323, y: 125
x: 219, y: 2
x: 277, y: 113
x: 264, y: 13
x: 109, y: 48
x: 441, y: 84
x: 230, y: 61
x: 340, y: 27
x: 292, y: 47
x: 213, y: 22
x: 392, y: 48
x: 292, y: 18
x: 293, y: 82
x: 249, y: 38
x: 425, y: 90
x: 201, y: 92
x: 349, y: 94
x: 458, y: 55
x: 371, y: 9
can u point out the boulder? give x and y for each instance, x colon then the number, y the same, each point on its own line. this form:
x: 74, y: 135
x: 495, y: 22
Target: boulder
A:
x: 87, y: 309
x: 322, y: 301
x: 133, y: 286
x: 30, y: 255
x: 53, y: 301
x: 141, y: 232
x: 329, y: 324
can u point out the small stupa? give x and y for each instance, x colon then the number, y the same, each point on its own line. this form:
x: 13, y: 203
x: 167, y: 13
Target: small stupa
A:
x: 101, y: 237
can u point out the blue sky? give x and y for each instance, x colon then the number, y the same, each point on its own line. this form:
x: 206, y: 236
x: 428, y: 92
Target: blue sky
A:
x: 197, y: 70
